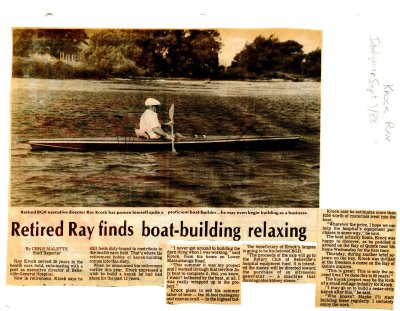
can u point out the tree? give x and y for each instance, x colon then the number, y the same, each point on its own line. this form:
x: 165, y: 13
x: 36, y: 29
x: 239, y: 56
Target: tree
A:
x: 180, y: 53
x: 113, y: 53
x: 153, y: 45
x: 205, y: 45
x: 48, y: 41
x: 312, y: 64
x: 291, y: 56
x: 191, y: 53
x: 258, y: 57
x: 56, y: 41
x: 266, y: 56
x: 23, y: 41
x: 160, y: 53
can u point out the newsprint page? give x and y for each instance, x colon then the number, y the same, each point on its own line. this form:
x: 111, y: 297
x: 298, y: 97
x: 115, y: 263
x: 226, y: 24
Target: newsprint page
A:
x: 192, y: 161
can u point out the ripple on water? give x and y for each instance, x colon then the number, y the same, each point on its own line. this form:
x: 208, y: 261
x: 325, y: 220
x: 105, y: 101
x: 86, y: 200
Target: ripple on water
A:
x: 69, y: 108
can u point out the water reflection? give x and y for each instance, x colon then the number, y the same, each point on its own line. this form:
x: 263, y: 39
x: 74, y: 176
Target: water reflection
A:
x: 80, y: 108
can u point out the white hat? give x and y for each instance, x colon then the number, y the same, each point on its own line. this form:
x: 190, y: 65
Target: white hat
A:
x: 152, y: 102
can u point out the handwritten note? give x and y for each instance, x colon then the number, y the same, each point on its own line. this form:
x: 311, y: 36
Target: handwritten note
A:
x: 389, y: 125
x: 380, y: 91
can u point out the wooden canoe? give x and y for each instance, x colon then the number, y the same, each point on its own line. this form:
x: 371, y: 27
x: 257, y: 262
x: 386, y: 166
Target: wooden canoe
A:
x: 134, y: 144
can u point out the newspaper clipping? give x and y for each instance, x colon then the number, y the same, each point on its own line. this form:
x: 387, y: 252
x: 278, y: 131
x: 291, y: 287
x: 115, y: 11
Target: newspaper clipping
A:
x: 349, y: 254
x: 180, y: 158
x: 356, y: 252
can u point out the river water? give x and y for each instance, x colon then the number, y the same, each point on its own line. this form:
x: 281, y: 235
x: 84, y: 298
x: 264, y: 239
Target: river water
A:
x: 84, y: 108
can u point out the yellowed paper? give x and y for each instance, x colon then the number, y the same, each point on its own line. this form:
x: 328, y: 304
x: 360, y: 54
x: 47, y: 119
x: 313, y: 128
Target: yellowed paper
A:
x: 356, y: 259
x: 278, y: 263
x: 101, y: 246
x: 81, y: 247
x: 203, y: 274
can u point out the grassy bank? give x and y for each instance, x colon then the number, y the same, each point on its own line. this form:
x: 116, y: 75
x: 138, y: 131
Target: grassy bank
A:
x: 31, y: 68
x: 27, y: 67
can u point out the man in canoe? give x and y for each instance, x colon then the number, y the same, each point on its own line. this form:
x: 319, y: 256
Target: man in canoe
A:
x: 150, y: 126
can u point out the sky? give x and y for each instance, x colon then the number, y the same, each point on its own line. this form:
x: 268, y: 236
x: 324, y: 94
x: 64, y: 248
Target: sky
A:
x: 233, y: 40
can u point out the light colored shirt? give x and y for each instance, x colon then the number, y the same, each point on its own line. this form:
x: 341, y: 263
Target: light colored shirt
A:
x: 148, y: 121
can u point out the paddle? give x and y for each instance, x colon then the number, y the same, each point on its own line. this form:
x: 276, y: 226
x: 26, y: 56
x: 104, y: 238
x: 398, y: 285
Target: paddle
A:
x: 171, y: 118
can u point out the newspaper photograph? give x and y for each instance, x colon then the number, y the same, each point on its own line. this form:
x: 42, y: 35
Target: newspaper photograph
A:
x: 120, y: 118
x: 165, y: 117
x: 159, y: 166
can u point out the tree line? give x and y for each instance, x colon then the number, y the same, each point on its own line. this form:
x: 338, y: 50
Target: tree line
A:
x: 175, y: 53
x: 269, y: 58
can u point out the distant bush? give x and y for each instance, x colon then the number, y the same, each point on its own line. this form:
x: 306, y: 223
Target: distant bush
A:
x: 238, y: 73
x: 312, y: 66
x: 32, y: 68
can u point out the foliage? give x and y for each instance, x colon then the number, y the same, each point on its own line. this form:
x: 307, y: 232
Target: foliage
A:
x: 48, y: 41
x: 25, y: 67
x: 23, y: 41
x: 112, y: 52
x: 129, y: 53
x: 190, y: 53
x: 265, y: 57
x: 159, y: 53
x: 312, y: 64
